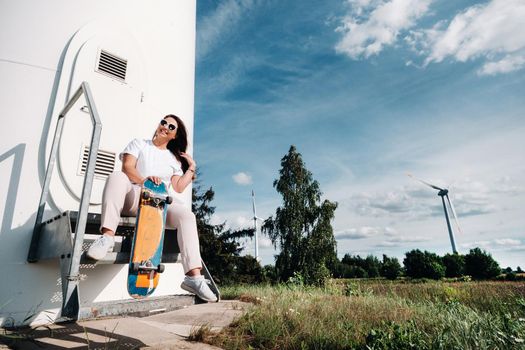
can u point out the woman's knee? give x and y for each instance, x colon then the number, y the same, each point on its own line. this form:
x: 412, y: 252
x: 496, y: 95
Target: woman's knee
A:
x: 178, y: 214
x: 116, y: 188
x: 117, y: 177
x: 117, y: 180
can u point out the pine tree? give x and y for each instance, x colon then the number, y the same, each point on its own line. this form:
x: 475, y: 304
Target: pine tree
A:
x: 220, y: 248
x: 302, y: 225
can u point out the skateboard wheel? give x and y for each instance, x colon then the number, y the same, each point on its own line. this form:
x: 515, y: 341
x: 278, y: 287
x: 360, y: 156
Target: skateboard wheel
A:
x: 169, y: 200
x: 160, y: 268
x: 135, y: 266
x: 145, y: 195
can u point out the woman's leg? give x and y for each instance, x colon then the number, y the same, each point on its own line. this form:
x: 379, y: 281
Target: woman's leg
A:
x: 120, y: 197
x: 184, y: 221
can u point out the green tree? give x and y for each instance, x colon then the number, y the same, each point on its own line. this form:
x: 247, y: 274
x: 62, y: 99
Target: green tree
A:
x: 371, y: 264
x: 356, y: 272
x: 390, y: 268
x: 420, y: 264
x: 302, y: 226
x: 351, y: 260
x: 480, y: 265
x: 454, y: 265
x: 349, y: 271
x: 220, y: 248
x: 269, y: 273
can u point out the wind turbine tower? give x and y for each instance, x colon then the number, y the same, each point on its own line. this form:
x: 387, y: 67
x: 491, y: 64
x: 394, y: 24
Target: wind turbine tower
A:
x: 443, y: 192
x: 255, y: 218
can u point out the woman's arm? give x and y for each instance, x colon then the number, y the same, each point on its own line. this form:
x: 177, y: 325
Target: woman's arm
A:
x: 180, y: 183
x: 129, y: 167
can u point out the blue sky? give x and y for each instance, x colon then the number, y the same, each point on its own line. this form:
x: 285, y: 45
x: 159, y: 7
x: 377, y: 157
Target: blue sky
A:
x: 368, y: 90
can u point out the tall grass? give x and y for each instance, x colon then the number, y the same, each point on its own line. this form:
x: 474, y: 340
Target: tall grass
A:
x: 377, y: 315
x: 485, y: 295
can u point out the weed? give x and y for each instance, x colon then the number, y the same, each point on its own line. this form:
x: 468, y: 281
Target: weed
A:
x: 200, y: 334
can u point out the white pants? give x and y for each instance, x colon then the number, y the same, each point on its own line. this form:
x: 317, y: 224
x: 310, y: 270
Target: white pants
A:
x: 122, y: 197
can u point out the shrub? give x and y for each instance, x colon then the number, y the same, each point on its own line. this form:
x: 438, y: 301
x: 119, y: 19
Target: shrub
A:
x: 420, y: 264
x: 390, y: 268
x: 480, y: 265
x: 454, y: 265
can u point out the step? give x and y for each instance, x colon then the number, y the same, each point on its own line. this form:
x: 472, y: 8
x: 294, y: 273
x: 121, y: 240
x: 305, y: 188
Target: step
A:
x: 136, y: 307
x: 57, y: 237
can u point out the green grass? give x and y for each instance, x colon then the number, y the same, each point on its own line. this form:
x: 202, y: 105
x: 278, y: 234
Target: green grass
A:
x: 377, y: 314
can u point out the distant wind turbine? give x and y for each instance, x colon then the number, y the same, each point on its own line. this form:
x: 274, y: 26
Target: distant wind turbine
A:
x: 443, y: 192
x: 255, y: 218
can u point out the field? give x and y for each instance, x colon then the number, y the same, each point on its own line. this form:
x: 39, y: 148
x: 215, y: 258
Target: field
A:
x: 377, y: 314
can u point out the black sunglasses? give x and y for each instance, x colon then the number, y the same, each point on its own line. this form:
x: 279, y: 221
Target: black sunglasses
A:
x: 172, y: 127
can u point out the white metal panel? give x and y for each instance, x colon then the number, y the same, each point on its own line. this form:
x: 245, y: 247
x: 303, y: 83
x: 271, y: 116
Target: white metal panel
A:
x: 118, y: 103
x: 35, y: 39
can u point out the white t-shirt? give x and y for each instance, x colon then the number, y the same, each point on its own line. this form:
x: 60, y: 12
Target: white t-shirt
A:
x: 152, y: 161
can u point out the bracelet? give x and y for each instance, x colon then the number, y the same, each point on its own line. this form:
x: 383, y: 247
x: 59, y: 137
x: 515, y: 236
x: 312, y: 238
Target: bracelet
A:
x: 191, y: 170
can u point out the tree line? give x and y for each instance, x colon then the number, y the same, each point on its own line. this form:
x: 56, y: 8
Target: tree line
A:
x: 477, y: 264
x: 302, y: 231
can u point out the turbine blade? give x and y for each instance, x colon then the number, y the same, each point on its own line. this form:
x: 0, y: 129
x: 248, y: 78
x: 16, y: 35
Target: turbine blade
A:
x: 253, y: 204
x: 453, y: 213
x: 426, y: 183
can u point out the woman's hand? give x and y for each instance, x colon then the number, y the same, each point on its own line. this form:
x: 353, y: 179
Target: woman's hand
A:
x: 156, y: 180
x: 191, y: 163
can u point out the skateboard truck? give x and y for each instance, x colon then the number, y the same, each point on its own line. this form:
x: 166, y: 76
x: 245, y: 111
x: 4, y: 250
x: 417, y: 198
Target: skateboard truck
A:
x: 136, y: 267
x: 146, y: 195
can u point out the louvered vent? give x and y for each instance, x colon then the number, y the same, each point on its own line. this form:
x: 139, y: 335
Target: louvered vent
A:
x: 104, y: 165
x: 112, y: 65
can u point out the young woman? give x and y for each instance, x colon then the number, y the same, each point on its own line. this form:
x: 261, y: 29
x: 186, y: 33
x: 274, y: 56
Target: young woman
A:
x: 162, y: 159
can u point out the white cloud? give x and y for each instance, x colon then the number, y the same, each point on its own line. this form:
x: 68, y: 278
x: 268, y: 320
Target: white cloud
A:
x: 216, y: 219
x: 507, y: 242
x: 505, y: 65
x: 365, y: 232
x: 220, y: 23
x: 242, y: 178
x: 241, y: 221
x: 480, y: 244
x: 371, y: 25
x: 265, y: 242
x: 493, y: 32
x: 234, y: 220
x: 416, y: 201
x: 229, y: 76
x: 400, y: 241
x: 496, y: 244
x: 358, y: 233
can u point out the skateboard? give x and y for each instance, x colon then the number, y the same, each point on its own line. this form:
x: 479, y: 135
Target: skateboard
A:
x: 146, y: 250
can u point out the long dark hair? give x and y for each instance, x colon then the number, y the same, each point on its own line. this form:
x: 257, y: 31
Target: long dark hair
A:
x: 180, y: 143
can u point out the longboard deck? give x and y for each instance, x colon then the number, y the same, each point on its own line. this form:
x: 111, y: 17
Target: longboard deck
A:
x: 147, y: 242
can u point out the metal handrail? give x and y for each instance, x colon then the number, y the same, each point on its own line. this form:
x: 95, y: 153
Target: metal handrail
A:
x: 70, y: 303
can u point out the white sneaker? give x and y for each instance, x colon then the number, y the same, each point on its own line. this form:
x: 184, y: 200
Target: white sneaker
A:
x: 100, y: 247
x: 199, y: 287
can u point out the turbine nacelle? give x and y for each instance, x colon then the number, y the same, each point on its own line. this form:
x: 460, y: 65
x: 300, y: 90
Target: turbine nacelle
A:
x: 443, y: 192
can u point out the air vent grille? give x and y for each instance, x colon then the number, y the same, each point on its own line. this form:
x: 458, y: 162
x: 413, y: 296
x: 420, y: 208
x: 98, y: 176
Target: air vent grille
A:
x: 112, y: 65
x: 104, y: 165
